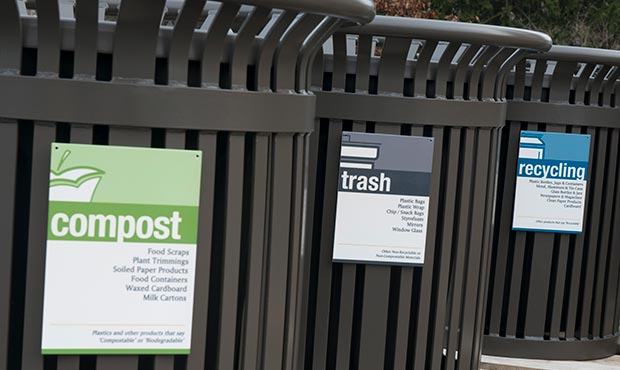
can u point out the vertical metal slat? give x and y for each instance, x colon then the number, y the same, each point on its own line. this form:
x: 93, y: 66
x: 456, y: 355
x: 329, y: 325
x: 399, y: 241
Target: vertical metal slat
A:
x: 592, y: 228
x: 614, y: 261
x: 476, y: 79
x: 392, y: 65
x: 175, y: 139
x: 80, y: 134
x: 135, y: 39
x: 196, y: 360
x: 323, y: 300
x: 475, y: 269
x: 86, y: 24
x: 604, y: 230
x: 422, y: 67
x: 44, y: 135
x: 279, y: 243
x: 251, y: 350
x: 362, y: 67
x: 215, y: 43
x: 240, y: 58
x: 48, y: 37
x: 463, y: 69
x: 505, y: 227
x: 571, y: 321
x: 339, y: 72
x: 561, y: 81
x: 443, y: 69
x: 445, y: 242
x: 462, y: 244
x: 420, y: 347
x: 232, y: 252
x: 182, y: 39
x: 8, y: 166
x: 10, y: 36
x: 286, y: 58
x: 270, y: 44
x: 296, y: 293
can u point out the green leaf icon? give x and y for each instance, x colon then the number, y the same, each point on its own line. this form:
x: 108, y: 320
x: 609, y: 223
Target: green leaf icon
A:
x: 75, y: 184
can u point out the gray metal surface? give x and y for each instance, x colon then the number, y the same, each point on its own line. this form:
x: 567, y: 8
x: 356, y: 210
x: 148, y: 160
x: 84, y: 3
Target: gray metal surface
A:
x: 424, y: 29
x: 230, y: 83
x: 359, y: 11
x: 392, y: 76
x: 555, y: 296
x: 8, y: 166
x: 149, y: 106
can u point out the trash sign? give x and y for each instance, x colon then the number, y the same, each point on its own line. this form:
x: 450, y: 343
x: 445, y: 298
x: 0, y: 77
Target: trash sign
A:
x: 383, y: 199
x: 121, y: 250
x: 552, y: 175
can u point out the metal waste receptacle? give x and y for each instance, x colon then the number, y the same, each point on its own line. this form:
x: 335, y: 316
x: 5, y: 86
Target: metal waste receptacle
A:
x: 555, y: 295
x: 423, y: 78
x: 227, y: 78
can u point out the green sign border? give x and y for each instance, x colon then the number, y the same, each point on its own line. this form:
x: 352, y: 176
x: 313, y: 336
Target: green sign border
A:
x: 115, y: 352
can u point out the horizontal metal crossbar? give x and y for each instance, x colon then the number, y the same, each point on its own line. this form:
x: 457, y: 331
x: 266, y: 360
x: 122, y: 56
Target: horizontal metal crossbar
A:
x: 562, y: 114
x: 119, y: 104
x: 399, y: 109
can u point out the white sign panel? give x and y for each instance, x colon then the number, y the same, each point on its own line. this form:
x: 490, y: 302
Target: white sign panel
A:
x: 383, y: 199
x: 121, y: 250
x: 552, y: 174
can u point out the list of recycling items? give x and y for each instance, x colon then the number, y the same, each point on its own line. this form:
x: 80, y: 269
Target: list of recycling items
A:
x: 568, y: 194
x: 158, y: 274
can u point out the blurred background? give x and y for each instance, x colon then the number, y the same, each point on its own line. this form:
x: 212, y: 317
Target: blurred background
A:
x: 592, y: 23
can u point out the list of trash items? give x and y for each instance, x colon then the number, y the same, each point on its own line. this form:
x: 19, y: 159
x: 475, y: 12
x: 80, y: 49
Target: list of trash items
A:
x: 409, y: 215
x: 389, y: 228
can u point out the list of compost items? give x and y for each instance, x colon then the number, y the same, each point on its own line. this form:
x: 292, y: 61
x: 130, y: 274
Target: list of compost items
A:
x: 162, y: 275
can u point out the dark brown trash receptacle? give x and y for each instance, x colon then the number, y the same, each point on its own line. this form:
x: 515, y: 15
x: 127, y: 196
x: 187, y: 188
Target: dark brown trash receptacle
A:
x: 225, y: 77
x: 553, y: 295
x: 423, y: 78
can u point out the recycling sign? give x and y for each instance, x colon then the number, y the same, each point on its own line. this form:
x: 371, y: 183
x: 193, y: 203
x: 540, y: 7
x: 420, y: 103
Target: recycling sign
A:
x: 121, y: 250
x: 552, y: 177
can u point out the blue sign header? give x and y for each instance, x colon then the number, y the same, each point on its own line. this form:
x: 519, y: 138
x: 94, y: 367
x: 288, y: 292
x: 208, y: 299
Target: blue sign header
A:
x: 551, y: 155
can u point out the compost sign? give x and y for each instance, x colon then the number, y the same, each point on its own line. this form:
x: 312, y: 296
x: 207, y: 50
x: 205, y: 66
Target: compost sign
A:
x: 552, y: 175
x: 121, y: 250
x: 383, y: 199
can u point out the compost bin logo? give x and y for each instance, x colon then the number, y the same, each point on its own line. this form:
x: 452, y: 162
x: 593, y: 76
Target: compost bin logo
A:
x: 100, y: 197
x: 75, y: 184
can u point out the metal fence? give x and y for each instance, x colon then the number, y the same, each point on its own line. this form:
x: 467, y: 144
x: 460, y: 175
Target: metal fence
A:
x: 426, y: 78
x: 555, y: 296
x: 232, y: 83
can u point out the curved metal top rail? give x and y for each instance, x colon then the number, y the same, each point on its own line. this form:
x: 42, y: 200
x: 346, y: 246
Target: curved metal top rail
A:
x: 358, y: 11
x: 454, y: 31
x: 580, y: 54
